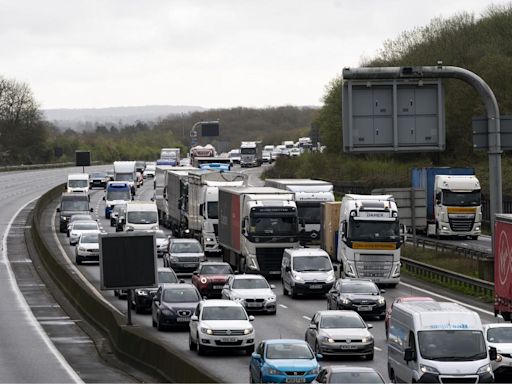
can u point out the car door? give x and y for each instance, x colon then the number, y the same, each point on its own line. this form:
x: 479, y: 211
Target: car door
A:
x: 311, y: 334
x: 155, y: 304
x: 194, y: 324
x: 257, y: 365
x: 332, y: 295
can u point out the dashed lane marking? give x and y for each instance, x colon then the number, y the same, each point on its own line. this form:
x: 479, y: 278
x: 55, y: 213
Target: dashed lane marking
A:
x: 283, y: 306
x: 378, y: 349
x: 307, y: 318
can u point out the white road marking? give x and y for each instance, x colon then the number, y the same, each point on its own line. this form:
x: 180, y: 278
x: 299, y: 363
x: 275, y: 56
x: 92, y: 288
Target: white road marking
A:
x: 448, y: 299
x: 23, y: 302
x: 283, y: 306
x: 378, y: 349
x: 307, y: 318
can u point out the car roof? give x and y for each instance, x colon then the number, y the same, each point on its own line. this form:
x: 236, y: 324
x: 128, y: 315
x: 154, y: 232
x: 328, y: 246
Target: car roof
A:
x: 285, y: 341
x: 307, y: 252
x: 176, y: 285
x: 175, y: 240
x: 221, y: 303
x: 249, y: 277
x: 404, y: 299
x: 353, y: 281
x: 350, y: 368
x: 85, y: 222
x: 339, y: 313
x: 213, y: 263
x: 165, y: 269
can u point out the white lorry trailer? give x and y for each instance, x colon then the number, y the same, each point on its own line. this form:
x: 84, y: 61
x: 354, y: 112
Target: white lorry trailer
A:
x: 203, y: 204
x: 125, y: 171
x: 309, y: 195
x: 369, y: 238
x: 256, y: 225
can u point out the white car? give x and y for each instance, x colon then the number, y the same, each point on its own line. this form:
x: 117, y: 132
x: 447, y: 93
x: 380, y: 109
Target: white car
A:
x: 149, y: 171
x: 220, y: 324
x: 499, y: 336
x: 252, y: 291
x: 295, y: 152
x: 266, y: 156
x: 87, y: 248
x: 162, y: 242
x: 78, y: 217
x: 79, y: 227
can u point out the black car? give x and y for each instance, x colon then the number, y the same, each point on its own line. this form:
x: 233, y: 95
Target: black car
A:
x: 173, y: 305
x: 98, y: 179
x: 360, y: 295
x: 142, y: 298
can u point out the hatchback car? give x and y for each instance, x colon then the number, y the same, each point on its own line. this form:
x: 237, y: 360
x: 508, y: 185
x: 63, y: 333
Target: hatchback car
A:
x: 87, y: 248
x: 98, y: 179
x: 78, y: 217
x: 499, y: 336
x: 221, y: 324
x: 173, y: 305
x: 283, y: 361
x: 184, y: 255
x: 162, y: 242
x: 80, y: 227
x: 252, y: 291
x: 402, y: 299
x: 360, y: 295
x: 211, y: 277
x: 340, y: 333
x: 142, y: 298
x: 348, y: 374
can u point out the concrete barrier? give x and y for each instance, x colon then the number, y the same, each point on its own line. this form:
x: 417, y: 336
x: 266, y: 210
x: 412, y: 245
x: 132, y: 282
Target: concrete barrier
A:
x: 132, y: 344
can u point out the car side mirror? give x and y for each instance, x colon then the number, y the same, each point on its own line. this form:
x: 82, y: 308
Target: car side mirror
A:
x: 226, y: 286
x: 335, y: 268
x: 58, y: 209
x: 103, y: 197
x: 319, y: 356
x: 194, y: 318
x: 493, y: 353
x: 382, y: 291
x: 256, y: 356
x: 182, y: 281
x: 312, y: 326
x: 409, y: 354
x: 288, y: 268
x: 91, y: 209
x: 133, y: 197
x: 272, y: 286
x: 152, y: 199
x: 156, y: 300
x: 195, y: 273
x: 251, y: 318
x: 369, y: 326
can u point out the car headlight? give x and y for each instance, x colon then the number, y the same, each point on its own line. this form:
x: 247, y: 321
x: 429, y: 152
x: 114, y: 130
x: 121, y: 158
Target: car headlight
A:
x: 382, y: 301
x: 298, y: 277
x: 345, y: 301
x: 237, y: 299
x: 428, y: 369
x: 155, y: 227
x: 314, y: 371
x: 330, y: 277
x: 274, y: 371
x: 129, y: 228
x: 63, y: 218
x: 484, y: 369
x: 326, y: 339
x: 367, y: 339
x: 81, y: 249
x: 209, y: 239
x: 208, y: 331
x: 167, y: 312
x: 248, y: 331
x: 141, y: 292
x: 271, y: 298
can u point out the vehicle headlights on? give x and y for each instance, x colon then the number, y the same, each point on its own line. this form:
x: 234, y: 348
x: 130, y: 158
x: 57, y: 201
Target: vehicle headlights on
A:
x: 204, y: 280
x: 314, y: 371
x: 274, y: 371
x: 428, y: 369
x: 367, y: 339
x: 271, y: 298
x: 129, y: 228
x: 248, y: 331
x: 141, y: 292
x: 208, y: 331
x: 330, y: 277
x: 484, y: 369
x: 382, y: 301
x: 298, y: 277
x: 155, y: 227
x: 209, y: 239
x: 326, y: 339
x: 345, y: 301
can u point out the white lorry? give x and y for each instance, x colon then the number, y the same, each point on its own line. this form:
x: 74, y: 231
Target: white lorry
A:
x: 369, y: 238
x: 309, y: 195
x: 160, y: 185
x: 203, y: 204
x: 256, y: 225
x: 250, y: 154
x: 172, y: 154
x: 141, y: 216
x: 78, y: 182
x: 437, y: 342
x: 125, y: 171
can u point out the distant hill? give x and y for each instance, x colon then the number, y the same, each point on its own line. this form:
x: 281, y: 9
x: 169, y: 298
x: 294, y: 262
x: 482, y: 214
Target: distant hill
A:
x: 85, y: 118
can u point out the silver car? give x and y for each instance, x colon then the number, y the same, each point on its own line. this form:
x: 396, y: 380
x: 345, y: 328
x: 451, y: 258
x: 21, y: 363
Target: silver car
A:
x: 184, y: 255
x: 80, y: 227
x: 252, y: 291
x: 162, y: 242
x: 340, y: 333
x: 87, y: 248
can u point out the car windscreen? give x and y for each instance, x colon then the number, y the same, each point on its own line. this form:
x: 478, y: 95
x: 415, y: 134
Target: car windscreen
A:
x: 499, y: 335
x: 355, y: 377
x: 180, y: 295
x: 311, y: 263
x: 332, y: 321
x: 216, y: 270
x: 360, y: 287
x: 89, y: 238
x: 288, y: 351
x: 186, y: 248
x: 142, y: 217
x: 99, y: 175
x: 167, y: 277
x: 250, y: 284
x: 74, y: 205
x: 85, y: 226
x: 224, y: 313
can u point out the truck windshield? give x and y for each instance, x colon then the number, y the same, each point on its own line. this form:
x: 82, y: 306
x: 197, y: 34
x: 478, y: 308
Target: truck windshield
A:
x: 452, y: 345
x: 141, y: 217
x: 213, y: 209
x: 248, y: 151
x: 118, y: 195
x: 360, y: 230
x: 311, y: 264
x: 461, y: 199
x: 271, y: 226
x: 124, y: 176
x: 78, y: 183
x: 74, y: 205
x: 309, y: 212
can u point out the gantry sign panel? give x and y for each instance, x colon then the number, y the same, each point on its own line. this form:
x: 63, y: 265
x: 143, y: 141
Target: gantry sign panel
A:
x: 393, y: 115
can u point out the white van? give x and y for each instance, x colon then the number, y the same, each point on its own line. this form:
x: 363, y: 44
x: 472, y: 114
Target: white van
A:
x: 437, y: 342
x: 78, y: 182
x: 141, y: 216
x: 306, y: 271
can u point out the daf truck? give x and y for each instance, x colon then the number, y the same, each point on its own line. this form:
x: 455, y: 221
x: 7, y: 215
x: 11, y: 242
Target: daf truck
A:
x: 502, y: 239
x: 125, y: 171
x: 250, y: 154
x: 256, y: 225
x: 309, y: 195
x: 203, y: 204
x: 369, y: 238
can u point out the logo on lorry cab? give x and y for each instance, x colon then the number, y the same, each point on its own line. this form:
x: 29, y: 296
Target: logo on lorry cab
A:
x: 376, y: 246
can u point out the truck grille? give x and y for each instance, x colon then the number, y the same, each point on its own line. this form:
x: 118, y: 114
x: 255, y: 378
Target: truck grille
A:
x: 269, y: 259
x: 374, y: 269
x: 188, y: 259
x: 461, y: 225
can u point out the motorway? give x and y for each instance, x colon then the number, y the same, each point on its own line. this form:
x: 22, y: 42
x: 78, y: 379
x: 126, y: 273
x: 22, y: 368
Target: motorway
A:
x: 292, y: 317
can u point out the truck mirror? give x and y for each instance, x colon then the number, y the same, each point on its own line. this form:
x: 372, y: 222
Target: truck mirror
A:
x: 103, y: 197
x: 58, y: 209
x: 493, y: 353
x: 409, y: 354
x: 201, y: 209
x: 287, y: 268
x: 91, y: 209
x: 335, y: 268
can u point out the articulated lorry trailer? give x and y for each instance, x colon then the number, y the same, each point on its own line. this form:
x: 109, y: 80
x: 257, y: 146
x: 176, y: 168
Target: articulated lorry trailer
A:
x: 309, y: 195
x: 125, y: 171
x: 176, y: 202
x: 256, y: 225
x: 160, y: 185
x: 369, y: 238
x: 203, y: 204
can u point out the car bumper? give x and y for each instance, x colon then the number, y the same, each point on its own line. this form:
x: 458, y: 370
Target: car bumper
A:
x: 88, y: 255
x: 346, y: 349
x: 434, y: 378
x: 312, y: 288
x: 226, y: 341
x: 268, y: 307
x: 144, y: 302
x: 210, y: 291
x: 377, y: 310
x: 183, y: 266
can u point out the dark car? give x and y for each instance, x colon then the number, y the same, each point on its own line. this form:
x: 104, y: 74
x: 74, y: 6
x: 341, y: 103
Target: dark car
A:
x: 173, y: 305
x: 360, y: 295
x: 72, y: 204
x: 98, y: 179
x: 348, y: 374
x: 183, y: 255
x: 142, y: 298
x: 211, y: 277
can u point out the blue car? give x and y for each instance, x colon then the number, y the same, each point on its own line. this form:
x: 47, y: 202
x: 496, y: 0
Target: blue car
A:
x: 283, y: 361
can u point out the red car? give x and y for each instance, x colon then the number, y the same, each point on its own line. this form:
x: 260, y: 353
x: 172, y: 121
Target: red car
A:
x: 403, y: 299
x: 211, y: 277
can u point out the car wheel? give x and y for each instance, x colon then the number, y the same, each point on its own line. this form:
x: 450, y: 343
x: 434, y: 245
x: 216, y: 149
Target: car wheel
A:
x: 249, y: 350
x: 159, y: 325
x: 78, y: 260
x: 285, y: 292
x: 201, y: 349
x: 138, y: 309
x: 317, y: 348
x: 328, y: 304
x: 369, y: 356
x: 153, y: 322
x: 382, y: 317
x: 293, y: 293
x: 191, y: 344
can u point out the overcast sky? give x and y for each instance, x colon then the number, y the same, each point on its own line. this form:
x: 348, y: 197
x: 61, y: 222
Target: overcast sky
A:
x: 211, y: 53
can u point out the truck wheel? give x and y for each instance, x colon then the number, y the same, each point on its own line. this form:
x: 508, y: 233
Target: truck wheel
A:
x: 285, y: 291
x: 474, y: 237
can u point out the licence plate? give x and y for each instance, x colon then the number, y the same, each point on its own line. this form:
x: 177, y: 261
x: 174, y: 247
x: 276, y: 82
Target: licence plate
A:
x: 218, y: 286
x: 295, y: 379
x: 348, y: 346
x: 182, y: 319
x: 253, y: 305
x: 316, y: 286
x: 365, y: 308
x: 228, y: 339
